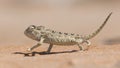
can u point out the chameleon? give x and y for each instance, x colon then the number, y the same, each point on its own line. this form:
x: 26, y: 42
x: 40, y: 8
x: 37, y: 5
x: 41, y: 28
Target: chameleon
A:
x: 44, y: 35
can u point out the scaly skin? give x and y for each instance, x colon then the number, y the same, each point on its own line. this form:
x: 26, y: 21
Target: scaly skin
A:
x: 43, y: 35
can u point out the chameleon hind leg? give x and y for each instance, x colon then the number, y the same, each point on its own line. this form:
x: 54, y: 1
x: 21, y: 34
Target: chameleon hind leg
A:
x: 88, y: 44
x: 80, y: 47
x: 49, y: 48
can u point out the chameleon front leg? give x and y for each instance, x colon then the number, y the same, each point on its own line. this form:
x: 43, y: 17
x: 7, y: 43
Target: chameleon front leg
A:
x: 35, y: 46
x: 49, y: 48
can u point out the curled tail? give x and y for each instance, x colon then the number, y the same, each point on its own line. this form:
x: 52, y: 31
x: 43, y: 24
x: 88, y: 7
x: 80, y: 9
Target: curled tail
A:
x: 98, y: 30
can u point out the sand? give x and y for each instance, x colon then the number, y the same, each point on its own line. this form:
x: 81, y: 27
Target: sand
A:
x: 98, y: 56
x: 85, y: 19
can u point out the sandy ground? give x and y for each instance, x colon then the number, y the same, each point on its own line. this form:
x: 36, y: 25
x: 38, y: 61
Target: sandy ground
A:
x: 15, y: 56
x: 85, y: 19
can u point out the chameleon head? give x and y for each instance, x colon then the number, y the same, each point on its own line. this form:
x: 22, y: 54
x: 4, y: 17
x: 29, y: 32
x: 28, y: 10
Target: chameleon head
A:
x: 34, y: 32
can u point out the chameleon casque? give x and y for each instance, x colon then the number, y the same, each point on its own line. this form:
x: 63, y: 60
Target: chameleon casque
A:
x: 44, y: 35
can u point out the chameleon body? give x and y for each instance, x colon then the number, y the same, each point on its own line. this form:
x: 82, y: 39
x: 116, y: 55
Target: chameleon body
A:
x: 44, y: 35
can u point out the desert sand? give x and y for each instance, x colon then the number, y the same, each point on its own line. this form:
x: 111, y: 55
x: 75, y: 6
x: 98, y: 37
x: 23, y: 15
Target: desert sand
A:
x: 81, y: 19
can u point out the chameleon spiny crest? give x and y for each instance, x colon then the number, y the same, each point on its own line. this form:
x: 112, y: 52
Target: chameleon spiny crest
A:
x: 44, y: 35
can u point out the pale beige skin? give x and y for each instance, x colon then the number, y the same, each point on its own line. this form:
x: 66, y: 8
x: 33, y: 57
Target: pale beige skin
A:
x: 43, y: 35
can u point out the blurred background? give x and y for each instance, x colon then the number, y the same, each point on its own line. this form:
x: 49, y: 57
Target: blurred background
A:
x: 72, y: 16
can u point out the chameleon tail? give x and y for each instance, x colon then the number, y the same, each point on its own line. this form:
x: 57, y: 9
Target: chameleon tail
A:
x: 100, y: 28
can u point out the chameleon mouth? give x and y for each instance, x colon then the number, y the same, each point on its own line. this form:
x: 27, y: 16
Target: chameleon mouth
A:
x: 28, y: 33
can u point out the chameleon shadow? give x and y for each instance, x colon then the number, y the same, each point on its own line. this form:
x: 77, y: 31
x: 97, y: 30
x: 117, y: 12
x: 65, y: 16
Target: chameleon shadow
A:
x: 112, y: 41
x: 43, y: 53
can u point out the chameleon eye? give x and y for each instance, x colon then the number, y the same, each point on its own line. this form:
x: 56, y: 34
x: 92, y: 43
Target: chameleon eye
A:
x: 32, y: 26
